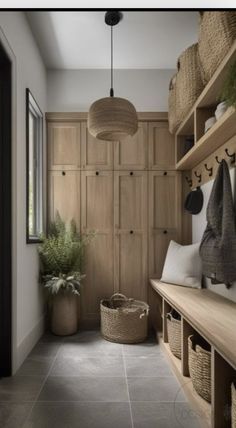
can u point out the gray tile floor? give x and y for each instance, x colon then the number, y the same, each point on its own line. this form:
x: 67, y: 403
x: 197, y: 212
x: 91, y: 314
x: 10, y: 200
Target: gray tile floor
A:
x: 83, y: 381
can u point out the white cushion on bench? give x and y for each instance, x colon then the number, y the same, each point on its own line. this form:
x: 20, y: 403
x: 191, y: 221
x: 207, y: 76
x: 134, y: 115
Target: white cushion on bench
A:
x: 183, y: 265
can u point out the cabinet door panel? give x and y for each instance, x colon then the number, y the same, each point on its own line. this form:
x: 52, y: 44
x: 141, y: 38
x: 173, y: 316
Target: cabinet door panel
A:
x: 161, y: 146
x: 131, y: 233
x: 97, y: 214
x: 164, y: 216
x: 65, y: 195
x: 63, y: 146
x: 132, y: 151
x: 96, y: 154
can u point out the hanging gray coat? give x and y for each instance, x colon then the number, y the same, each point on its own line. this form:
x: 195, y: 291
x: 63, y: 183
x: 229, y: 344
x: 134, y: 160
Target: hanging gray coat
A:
x: 218, y: 245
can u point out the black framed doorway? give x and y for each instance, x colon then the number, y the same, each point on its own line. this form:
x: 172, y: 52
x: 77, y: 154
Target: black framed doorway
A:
x: 5, y: 215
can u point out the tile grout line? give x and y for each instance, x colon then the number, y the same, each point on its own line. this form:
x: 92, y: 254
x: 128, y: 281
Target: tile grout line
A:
x: 40, y: 390
x: 127, y: 386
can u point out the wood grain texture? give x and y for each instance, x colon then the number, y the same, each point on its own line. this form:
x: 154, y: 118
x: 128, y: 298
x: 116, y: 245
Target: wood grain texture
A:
x: 81, y: 116
x: 161, y: 147
x: 131, y: 153
x: 95, y: 154
x: 213, y: 316
x: 63, y: 146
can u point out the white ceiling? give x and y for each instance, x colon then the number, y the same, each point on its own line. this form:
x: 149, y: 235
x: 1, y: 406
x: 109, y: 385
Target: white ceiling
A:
x: 75, y: 40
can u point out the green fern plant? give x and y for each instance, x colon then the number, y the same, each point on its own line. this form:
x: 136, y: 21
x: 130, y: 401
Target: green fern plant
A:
x: 228, y: 93
x: 61, y: 257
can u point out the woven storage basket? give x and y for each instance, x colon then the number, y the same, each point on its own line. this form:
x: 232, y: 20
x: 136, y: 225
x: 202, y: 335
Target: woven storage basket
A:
x: 217, y: 33
x: 233, y: 406
x: 174, y: 111
x: 200, y: 367
x: 174, y: 335
x: 189, y: 84
x: 124, y: 320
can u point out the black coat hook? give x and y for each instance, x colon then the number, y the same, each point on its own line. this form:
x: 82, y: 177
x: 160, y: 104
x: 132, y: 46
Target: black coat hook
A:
x: 210, y: 170
x: 189, y: 181
x: 217, y: 160
x: 199, y: 176
x: 232, y: 156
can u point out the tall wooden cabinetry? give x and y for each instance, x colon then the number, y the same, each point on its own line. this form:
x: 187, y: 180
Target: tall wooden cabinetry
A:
x: 127, y: 191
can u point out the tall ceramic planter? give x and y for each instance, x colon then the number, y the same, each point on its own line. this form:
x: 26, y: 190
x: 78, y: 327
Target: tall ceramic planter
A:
x: 64, y: 321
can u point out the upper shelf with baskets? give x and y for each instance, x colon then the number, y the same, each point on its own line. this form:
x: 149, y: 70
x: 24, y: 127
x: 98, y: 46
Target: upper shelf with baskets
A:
x: 193, y: 144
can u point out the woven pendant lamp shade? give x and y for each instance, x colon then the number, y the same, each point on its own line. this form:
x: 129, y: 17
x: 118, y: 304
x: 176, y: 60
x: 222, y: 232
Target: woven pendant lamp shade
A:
x: 112, y: 119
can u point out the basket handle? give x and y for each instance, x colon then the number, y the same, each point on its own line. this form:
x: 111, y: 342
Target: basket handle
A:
x: 144, y: 313
x: 120, y: 295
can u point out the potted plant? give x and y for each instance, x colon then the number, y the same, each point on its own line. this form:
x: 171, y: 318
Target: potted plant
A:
x: 228, y: 93
x: 61, y: 256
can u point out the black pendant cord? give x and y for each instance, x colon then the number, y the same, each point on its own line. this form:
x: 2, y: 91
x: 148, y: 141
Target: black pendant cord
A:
x: 111, y: 90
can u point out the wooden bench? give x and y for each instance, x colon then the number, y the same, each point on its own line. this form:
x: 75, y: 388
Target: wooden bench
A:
x: 214, y: 318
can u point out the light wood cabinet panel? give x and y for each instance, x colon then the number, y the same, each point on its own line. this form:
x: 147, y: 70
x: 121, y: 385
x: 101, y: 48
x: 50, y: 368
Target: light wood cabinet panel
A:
x: 132, y: 151
x: 97, y: 214
x: 164, y: 216
x: 64, y: 195
x: 131, y: 233
x: 96, y: 154
x: 63, y: 146
x: 161, y: 146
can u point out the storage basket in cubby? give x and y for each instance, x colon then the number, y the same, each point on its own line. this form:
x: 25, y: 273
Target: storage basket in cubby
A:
x: 199, y: 352
x: 174, y: 334
x: 217, y: 33
x: 233, y: 405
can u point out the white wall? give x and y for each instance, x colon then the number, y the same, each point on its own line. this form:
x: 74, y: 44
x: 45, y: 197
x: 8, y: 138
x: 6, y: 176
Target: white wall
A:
x: 29, y: 71
x: 198, y: 227
x: 75, y: 90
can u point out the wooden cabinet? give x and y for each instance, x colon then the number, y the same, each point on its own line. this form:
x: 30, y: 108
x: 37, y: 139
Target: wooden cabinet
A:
x: 97, y: 215
x: 161, y: 146
x: 64, y: 195
x: 131, y: 153
x: 130, y: 192
x: 96, y: 154
x: 64, y: 146
x: 164, y: 216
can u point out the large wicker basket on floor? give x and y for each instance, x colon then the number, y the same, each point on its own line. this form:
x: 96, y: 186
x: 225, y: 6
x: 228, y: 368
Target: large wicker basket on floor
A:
x: 124, y: 320
x: 217, y: 33
x: 174, y: 335
x: 200, y: 366
x: 233, y: 406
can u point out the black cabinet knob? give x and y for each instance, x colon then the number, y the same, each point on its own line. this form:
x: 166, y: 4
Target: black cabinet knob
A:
x: 63, y: 173
x: 131, y: 232
x: 165, y: 232
x: 131, y: 173
x: 165, y: 173
x: 97, y: 173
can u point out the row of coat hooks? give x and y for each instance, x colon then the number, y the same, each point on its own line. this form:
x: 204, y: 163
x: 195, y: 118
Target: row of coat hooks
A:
x: 232, y: 156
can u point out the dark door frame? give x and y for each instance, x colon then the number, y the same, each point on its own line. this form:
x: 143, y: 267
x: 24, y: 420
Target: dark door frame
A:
x: 5, y: 213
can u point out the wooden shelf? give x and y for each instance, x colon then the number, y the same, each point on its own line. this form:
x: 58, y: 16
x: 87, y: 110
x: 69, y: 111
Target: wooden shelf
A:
x: 224, y: 128
x: 221, y: 131
x: 200, y: 406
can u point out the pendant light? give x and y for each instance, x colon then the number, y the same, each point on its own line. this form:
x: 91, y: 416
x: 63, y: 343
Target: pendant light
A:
x: 112, y: 118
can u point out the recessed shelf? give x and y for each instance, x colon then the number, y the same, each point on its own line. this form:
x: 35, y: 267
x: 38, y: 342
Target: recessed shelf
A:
x: 221, y: 131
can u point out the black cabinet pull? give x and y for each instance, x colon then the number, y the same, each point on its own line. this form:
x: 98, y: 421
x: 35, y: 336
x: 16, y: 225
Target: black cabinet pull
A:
x: 165, y: 232
x: 165, y: 173
x: 97, y: 173
x: 63, y: 173
x: 131, y: 173
x: 131, y: 232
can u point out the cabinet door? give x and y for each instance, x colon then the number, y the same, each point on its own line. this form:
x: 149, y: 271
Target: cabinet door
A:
x: 64, y: 195
x: 164, y: 216
x: 161, y: 146
x: 63, y: 146
x: 96, y: 154
x: 131, y: 153
x: 131, y: 233
x: 97, y: 215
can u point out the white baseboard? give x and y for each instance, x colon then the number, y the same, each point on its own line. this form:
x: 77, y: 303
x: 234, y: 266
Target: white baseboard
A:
x: 27, y: 344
